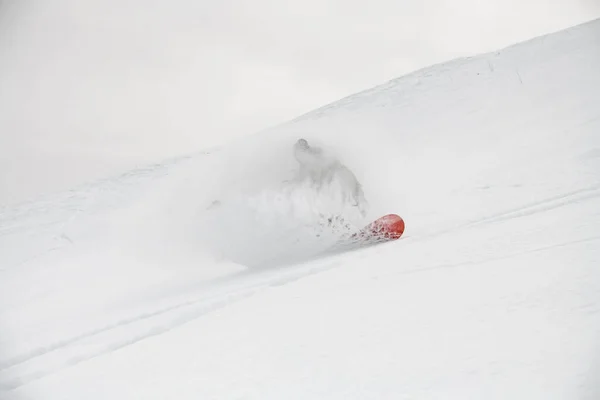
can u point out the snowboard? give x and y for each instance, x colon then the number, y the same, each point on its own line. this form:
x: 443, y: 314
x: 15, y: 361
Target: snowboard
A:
x: 389, y: 227
x: 384, y: 229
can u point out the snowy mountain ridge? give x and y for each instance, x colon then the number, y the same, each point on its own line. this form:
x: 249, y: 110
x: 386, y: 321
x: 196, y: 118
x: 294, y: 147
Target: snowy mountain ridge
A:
x: 465, y: 68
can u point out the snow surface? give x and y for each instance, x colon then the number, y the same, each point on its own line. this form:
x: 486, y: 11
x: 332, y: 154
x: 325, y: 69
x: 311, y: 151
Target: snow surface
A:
x: 209, y: 276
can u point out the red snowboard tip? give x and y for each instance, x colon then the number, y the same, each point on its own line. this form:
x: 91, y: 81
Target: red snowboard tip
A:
x: 389, y: 226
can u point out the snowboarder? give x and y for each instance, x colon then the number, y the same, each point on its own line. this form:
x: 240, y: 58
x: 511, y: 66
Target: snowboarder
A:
x: 322, y: 169
x: 313, y: 162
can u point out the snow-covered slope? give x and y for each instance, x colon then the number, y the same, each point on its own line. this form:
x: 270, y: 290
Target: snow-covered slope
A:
x: 204, y: 277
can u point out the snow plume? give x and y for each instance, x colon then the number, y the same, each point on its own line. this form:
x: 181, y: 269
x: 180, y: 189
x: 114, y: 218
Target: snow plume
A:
x: 290, y: 219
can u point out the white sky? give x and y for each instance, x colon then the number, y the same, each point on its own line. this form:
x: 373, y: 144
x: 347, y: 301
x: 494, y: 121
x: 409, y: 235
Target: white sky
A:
x: 90, y: 88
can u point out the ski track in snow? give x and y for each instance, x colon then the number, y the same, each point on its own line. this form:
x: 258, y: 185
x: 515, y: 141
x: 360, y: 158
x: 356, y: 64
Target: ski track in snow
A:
x: 176, y: 315
x: 548, y: 204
